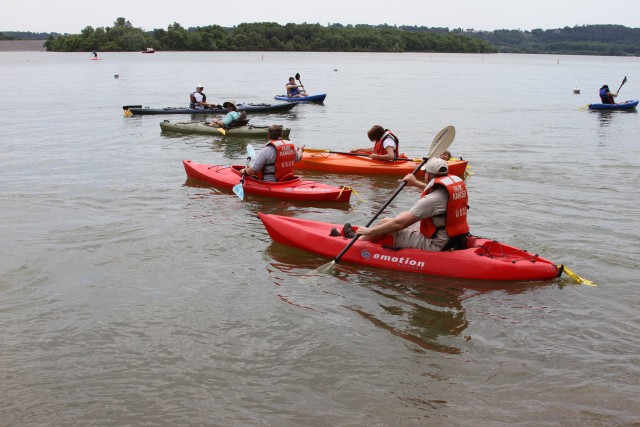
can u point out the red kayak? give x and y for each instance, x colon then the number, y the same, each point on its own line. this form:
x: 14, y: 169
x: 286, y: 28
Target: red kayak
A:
x: 483, y: 260
x: 290, y: 189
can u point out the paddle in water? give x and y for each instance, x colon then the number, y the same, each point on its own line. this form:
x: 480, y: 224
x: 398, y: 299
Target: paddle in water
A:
x: 238, y: 189
x: 440, y: 143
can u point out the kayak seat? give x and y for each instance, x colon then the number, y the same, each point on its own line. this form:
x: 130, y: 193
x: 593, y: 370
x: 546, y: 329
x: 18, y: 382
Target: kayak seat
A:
x: 456, y: 243
x: 287, y: 177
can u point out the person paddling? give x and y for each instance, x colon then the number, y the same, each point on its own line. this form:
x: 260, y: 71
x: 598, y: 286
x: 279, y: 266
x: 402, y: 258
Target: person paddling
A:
x: 293, y: 89
x: 228, y: 120
x: 385, y: 144
x: 198, y: 100
x: 606, y: 96
x: 275, y: 161
x: 436, y: 222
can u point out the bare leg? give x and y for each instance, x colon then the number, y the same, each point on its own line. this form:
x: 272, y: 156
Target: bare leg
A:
x: 376, y: 237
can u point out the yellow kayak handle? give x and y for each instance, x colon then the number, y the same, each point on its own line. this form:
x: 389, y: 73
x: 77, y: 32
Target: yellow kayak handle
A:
x: 574, y: 276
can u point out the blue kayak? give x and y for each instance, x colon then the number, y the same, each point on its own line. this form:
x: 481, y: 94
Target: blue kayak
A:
x: 311, y: 98
x: 627, y: 105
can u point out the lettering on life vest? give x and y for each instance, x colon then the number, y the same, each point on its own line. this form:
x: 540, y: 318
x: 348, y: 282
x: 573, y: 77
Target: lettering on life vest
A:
x: 458, y: 192
x: 461, y: 212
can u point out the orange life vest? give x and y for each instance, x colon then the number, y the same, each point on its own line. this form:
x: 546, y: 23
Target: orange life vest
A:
x: 285, y: 158
x: 378, y: 147
x: 456, y: 216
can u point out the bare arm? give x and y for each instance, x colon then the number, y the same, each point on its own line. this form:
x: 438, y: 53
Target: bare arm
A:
x: 389, y: 156
x: 412, y: 181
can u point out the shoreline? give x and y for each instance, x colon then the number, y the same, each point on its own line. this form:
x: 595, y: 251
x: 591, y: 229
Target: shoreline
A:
x: 22, y: 45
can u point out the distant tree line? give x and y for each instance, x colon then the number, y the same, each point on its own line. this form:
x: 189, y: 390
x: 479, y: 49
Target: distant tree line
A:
x: 611, y: 40
x: 266, y: 36
x: 26, y: 35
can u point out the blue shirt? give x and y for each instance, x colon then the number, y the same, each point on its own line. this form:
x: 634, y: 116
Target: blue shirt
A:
x: 230, y: 117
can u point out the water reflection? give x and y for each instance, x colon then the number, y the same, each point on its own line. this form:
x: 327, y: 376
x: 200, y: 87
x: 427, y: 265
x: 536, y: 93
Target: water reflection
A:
x: 606, y: 117
x: 426, y: 311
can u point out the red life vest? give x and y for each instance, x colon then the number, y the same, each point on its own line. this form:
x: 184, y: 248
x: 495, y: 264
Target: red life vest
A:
x: 378, y: 147
x: 285, y: 158
x: 456, y: 216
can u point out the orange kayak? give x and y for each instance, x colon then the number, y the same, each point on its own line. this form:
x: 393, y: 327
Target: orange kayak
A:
x: 344, y: 163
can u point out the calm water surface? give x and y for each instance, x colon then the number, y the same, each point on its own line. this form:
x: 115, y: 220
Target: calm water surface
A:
x: 131, y: 296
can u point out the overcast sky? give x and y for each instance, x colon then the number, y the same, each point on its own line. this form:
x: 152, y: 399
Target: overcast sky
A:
x: 71, y: 16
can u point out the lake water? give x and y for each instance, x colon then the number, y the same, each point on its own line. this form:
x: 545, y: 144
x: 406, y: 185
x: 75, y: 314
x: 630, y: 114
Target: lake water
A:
x: 130, y: 296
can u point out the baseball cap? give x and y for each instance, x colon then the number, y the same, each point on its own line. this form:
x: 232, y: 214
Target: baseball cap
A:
x: 436, y: 166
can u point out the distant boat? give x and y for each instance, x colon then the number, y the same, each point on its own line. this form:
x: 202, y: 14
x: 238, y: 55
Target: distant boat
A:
x: 319, y: 98
x: 149, y: 50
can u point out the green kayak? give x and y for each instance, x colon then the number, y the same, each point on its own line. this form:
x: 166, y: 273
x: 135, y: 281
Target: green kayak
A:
x: 205, y: 129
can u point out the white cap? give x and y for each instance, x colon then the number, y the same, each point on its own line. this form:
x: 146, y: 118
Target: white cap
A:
x: 436, y: 166
x: 200, y: 85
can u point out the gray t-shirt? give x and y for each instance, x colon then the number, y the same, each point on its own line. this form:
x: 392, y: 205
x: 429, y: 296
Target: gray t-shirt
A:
x: 266, y: 160
x: 434, y: 203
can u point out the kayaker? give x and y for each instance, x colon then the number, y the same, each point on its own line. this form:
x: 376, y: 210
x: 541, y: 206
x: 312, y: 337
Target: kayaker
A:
x: 95, y: 54
x: 199, y: 99
x: 293, y: 89
x: 229, y: 118
x: 386, y: 144
x: 275, y: 161
x: 606, y: 96
x: 446, y: 155
x: 440, y: 212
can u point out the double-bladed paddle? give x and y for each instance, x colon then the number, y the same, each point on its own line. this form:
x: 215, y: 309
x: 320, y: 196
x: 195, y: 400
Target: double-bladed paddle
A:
x: 623, y: 82
x: 346, y: 153
x: 238, y: 189
x: 441, y: 142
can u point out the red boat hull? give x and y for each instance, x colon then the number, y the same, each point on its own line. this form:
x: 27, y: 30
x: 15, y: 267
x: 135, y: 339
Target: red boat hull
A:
x: 484, y: 259
x: 294, y: 189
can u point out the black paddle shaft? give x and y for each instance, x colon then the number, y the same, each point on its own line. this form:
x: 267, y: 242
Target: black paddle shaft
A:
x: 618, y: 92
x: 357, y: 236
x: 365, y: 155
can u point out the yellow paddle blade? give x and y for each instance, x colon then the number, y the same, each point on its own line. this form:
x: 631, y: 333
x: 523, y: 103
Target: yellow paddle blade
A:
x: 316, y: 150
x: 577, y: 278
x: 222, y: 131
x: 128, y: 113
